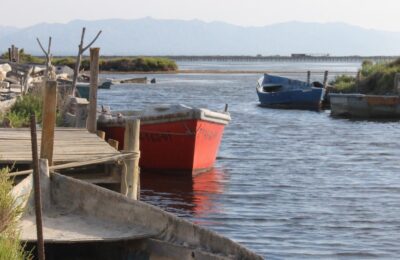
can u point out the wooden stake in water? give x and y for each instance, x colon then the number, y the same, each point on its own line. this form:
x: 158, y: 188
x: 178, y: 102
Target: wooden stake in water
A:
x: 130, y: 179
x: 37, y: 195
x: 326, y: 79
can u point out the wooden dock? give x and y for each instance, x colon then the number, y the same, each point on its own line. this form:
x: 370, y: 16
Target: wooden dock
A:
x: 70, y: 145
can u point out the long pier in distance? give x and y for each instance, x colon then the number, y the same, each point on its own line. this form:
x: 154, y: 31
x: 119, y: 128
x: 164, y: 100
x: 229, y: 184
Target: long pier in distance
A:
x: 277, y: 58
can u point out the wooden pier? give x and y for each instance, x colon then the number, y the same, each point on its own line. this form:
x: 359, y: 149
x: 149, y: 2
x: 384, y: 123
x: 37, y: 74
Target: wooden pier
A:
x: 306, y: 58
x: 70, y: 145
x: 73, y: 147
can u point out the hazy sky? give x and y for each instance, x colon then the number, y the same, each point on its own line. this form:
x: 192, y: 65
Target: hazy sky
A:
x: 379, y: 14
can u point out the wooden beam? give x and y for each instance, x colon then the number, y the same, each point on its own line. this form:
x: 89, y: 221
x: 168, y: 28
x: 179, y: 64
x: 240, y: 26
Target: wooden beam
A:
x: 49, y: 121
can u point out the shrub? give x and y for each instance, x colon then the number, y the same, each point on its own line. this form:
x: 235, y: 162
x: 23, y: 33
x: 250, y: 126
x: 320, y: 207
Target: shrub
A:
x: 20, y: 112
x: 376, y: 79
x: 345, y: 84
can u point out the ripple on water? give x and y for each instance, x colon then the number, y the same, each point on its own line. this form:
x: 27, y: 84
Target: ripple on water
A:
x: 287, y: 184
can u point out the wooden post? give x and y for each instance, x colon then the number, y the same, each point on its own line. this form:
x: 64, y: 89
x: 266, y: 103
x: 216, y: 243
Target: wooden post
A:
x: 397, y: 83
x: 12, y: 53
x: 130, y: 176
x: 308, y: 77
x: 326, y: 79
x: 16, y: 55
x: 101, y: 134
x: 113, y: 143
x: 48, y: 121
x: 36, y: 188
x: 81, y: 50
x: 94, y: 81
x: 9, y: 55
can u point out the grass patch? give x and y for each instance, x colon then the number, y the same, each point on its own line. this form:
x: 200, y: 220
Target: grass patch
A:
x: 19, y: 113
x: 10, y: 246
x: 377, y: 79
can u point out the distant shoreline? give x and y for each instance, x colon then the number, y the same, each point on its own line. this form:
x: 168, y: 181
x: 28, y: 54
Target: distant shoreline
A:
x: 223, y: 72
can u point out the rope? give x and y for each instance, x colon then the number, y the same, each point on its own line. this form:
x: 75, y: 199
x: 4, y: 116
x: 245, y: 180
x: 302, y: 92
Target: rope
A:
x: 134, y: 156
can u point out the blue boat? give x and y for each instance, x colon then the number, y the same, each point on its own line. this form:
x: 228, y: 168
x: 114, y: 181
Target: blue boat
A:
x: 280, y: 92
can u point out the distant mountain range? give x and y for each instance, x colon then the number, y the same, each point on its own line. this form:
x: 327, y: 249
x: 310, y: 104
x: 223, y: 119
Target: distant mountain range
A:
x: 149, y: 36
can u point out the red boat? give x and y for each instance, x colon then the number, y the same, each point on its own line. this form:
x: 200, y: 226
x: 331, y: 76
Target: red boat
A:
x: 173, y: 138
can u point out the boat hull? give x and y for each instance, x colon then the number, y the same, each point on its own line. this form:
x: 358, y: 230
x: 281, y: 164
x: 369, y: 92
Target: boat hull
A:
x: 365, y: 106
x: 183, y: 146
x: 295, y: 99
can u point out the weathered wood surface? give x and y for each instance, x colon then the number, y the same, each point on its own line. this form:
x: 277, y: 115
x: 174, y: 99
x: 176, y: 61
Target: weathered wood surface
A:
x: 49, y: 120
x: 70, y: 145
x: 131, y: 176
x: 94, y: 82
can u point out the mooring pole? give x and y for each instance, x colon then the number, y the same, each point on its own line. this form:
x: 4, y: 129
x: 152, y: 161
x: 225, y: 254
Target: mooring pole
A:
x: 36, y: 184
x: 326, y: 79
x: 358, y: 79
x: 94, y: 82
x: 131, y: 175
x: 49, y: 121
x: 308, y: 77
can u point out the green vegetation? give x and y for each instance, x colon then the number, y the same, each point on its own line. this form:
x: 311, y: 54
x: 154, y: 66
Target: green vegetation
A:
x: 375, y: 79
x: 124, y: 64
x: 25, y: 57
x: 345, y: 84
x: 19, y: 113
x: 138, y: 64
x: 142, y: 64
x: 10, y: 246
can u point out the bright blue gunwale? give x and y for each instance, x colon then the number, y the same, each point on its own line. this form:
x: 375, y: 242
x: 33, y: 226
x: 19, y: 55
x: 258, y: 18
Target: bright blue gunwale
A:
x: 293, y: 94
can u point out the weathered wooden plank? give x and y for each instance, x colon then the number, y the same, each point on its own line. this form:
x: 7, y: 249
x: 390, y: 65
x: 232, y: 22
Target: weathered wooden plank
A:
x: 70, y: 145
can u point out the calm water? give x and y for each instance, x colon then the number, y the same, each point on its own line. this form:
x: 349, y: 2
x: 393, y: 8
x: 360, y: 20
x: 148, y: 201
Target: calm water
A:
x: 287, y: 184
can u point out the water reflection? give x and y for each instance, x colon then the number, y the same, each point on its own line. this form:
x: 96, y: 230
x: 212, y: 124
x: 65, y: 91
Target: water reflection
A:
x: 185, y: 196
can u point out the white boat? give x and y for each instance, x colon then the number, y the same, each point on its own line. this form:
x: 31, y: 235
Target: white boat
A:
x: 110, y: 224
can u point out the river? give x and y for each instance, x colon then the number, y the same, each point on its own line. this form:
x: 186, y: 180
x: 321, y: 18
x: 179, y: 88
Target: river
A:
x: 287, y: 184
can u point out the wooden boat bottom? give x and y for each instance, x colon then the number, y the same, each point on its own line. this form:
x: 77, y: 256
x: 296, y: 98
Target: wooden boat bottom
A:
x: 82, y: 215
x: 61, y: 227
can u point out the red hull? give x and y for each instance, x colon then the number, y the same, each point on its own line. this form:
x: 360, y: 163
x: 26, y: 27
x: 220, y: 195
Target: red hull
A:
x: 180, y: 146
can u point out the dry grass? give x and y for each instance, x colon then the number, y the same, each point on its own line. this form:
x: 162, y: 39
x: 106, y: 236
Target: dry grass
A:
x: 10, y: 246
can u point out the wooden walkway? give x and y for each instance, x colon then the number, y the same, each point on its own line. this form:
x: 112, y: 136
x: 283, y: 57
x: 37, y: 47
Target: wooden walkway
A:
x: 70, y: 145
